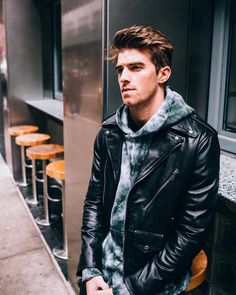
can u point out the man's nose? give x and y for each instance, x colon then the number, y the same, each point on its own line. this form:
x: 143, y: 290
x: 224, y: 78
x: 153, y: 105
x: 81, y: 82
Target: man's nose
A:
x: 125, y: 75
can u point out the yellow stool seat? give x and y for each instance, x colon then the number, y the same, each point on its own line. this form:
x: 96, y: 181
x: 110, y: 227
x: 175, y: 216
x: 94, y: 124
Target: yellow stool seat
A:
x: 32, y: 139
x: 199, y: 266
x: 23, y: 140
x: 56, y: 170
x: 22, y: 129
x: 45, y: 151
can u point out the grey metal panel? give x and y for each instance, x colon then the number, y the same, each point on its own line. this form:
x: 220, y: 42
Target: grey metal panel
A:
x: 170, y: 17
x: 200, y: 41
x: 24, y: 63
x: 82, y: 80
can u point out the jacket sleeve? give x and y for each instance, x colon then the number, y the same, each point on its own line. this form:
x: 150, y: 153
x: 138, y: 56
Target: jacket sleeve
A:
x: 194, y: 219
x: 92, y: 231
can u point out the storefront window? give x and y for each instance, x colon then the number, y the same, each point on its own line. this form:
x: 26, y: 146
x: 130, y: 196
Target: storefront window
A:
x: 50, y: 14
x: 229, y: 122
x: 230, y: 105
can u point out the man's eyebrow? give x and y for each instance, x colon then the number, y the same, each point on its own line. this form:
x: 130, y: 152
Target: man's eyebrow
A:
x: 118, y: 67
x: 134, y: 63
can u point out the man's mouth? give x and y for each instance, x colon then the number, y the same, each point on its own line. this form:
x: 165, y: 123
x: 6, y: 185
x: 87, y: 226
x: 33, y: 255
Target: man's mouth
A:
x: 125, y: 89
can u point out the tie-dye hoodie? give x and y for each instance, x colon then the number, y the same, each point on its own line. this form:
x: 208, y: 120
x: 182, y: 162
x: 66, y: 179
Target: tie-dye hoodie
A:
x: 134, y: 151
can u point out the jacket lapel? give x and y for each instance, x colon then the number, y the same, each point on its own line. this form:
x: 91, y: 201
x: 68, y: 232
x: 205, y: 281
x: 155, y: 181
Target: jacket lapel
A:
x: 114, y: 139
x: 162, y: 145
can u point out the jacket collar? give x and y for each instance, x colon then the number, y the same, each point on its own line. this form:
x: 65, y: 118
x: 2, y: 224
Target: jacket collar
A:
x: 111, y: 120
x: 184, y: 126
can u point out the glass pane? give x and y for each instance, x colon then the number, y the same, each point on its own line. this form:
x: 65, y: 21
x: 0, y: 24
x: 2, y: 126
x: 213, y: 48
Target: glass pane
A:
x: 230, y: 106
x: 231, y: 114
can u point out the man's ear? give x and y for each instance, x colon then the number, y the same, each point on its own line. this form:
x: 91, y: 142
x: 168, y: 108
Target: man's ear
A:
x: 164, y: 74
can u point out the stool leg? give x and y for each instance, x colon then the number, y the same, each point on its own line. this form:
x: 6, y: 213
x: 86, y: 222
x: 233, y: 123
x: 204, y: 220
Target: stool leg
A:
x: 24, y: 182
x: 63, y: 253
x: 48, y: 218
x: 34, y: 200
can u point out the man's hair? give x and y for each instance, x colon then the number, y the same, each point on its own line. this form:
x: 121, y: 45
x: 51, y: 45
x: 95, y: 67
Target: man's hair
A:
x: 143, y: 38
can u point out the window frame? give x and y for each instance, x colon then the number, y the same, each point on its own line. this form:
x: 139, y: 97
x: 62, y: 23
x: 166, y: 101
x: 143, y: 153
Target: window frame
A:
x: 218, y: 76
x: 50, y: 14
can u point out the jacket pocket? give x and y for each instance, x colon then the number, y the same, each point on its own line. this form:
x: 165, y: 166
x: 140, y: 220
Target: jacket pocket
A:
x: 148, y: 242
x: 170, y: 178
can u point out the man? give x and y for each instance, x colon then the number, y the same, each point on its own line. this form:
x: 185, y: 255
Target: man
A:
x: 153, y: 188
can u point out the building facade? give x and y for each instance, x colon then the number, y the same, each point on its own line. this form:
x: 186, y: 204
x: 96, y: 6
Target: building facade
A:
x: 54, y: 74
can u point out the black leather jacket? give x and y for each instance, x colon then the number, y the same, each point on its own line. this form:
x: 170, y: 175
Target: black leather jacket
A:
x: 170, y: 207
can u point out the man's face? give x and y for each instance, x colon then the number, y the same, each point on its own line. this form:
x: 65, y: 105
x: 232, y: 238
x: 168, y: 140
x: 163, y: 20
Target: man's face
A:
x: 137, y: 77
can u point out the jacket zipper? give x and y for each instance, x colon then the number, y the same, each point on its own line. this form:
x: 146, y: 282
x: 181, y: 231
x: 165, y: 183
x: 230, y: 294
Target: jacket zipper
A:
x: 160, y: 161
x: 168, y: 180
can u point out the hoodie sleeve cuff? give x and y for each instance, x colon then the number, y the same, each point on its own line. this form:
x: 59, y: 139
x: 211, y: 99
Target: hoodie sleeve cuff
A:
x: 89, y: 273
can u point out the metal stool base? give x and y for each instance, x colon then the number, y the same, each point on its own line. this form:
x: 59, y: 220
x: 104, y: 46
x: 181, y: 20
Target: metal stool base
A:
x: 60, y: 253
x: 23, y: 184
x: 45, y: 222
x: 32, y: 201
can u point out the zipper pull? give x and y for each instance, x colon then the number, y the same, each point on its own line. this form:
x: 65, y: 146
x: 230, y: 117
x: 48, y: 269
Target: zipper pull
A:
x: 174, y: 174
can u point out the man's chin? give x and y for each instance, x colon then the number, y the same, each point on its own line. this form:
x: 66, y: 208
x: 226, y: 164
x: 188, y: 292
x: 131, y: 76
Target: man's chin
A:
x: 129, y: 102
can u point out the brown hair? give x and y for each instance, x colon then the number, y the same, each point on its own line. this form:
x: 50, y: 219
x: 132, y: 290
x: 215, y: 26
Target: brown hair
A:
x: 142, y: 38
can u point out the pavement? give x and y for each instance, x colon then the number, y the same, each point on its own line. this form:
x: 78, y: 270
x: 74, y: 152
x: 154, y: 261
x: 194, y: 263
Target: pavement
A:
x: 27, y: 265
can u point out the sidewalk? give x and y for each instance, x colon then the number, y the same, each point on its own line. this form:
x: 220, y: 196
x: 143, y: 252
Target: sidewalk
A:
x: 26, y: 266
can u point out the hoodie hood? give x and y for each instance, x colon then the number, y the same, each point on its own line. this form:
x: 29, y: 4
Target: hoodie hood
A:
x: 172, y: 110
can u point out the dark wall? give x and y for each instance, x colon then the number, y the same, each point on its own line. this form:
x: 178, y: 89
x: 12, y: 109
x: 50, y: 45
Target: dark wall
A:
x: 188, y: 24
x: 199, y: 55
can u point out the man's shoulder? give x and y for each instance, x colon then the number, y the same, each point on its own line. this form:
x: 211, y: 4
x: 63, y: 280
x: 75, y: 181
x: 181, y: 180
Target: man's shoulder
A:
x: 110, y: 120
x: 108, y: 124
x: 201, y: 125
x: 194, y: 126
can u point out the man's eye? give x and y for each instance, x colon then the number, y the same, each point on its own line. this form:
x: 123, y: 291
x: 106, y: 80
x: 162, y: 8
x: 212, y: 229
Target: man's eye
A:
x: 119, y: 71
x: 136, y: 68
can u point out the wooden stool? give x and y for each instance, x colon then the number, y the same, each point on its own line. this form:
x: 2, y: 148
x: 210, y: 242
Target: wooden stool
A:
x: 20, y: 130
x: 199, y: 266
x: 26, y: 140
x: 56, y: 170
x: 44, y: 153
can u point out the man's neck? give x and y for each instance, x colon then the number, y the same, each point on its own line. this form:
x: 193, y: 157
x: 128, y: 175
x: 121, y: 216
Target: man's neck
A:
x: 142, y: 113
x: 134, y: 126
